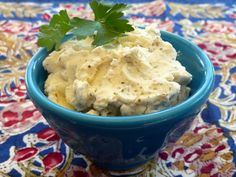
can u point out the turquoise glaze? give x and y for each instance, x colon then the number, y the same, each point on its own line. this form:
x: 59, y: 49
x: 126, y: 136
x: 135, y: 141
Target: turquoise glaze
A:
x: 120, y: 143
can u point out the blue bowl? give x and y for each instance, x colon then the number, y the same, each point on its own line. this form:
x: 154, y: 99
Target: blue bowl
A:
x: 125, y: 142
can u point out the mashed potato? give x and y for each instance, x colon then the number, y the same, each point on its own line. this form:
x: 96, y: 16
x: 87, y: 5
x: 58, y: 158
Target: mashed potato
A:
x: 136, y: 74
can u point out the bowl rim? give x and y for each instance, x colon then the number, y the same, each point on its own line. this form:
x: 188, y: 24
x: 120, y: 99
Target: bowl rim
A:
x: 197, y: 98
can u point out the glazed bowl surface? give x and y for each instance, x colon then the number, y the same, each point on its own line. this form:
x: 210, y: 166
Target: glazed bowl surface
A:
x: 124, y: 142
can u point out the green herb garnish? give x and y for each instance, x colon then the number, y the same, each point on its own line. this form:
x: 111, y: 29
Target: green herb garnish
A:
x: 107, y: 26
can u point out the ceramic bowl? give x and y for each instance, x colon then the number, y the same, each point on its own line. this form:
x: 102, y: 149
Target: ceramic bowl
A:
x: 125, y: 142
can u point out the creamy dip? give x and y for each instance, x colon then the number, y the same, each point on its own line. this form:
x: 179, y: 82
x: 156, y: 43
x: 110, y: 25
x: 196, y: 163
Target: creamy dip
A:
x: 136, y: 74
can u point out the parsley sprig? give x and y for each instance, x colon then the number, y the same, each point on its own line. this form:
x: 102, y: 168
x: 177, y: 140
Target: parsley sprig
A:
x: 107, y: 26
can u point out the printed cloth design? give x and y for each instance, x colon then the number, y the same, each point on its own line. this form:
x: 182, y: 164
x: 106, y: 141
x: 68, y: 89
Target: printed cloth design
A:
x: 29, y: 147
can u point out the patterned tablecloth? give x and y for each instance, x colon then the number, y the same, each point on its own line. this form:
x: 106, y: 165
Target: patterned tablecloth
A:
x: 29, y: 147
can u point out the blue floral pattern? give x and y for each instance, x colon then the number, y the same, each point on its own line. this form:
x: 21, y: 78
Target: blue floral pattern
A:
x: 29, y: 147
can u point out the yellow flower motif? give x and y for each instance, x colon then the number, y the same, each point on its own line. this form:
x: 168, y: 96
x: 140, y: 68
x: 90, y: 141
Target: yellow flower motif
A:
x: 227, y: 104
x: 20, y: 10
x: 198, y: 10
x: 15, y: 54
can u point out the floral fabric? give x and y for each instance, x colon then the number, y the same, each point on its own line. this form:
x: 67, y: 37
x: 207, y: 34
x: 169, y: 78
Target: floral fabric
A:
x: 29, y: 147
